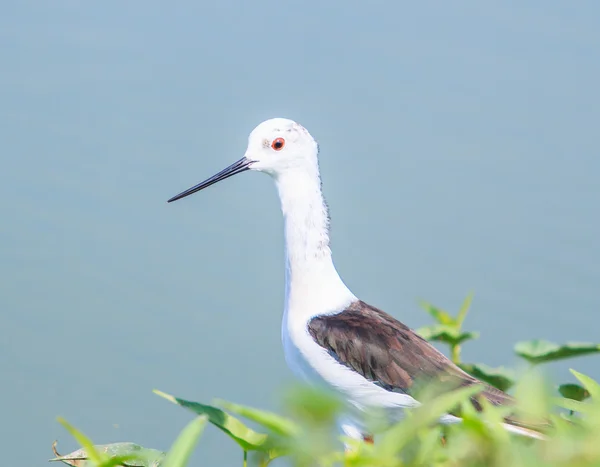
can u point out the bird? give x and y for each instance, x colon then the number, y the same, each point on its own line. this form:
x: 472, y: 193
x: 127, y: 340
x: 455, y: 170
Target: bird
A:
x: 331, y: 337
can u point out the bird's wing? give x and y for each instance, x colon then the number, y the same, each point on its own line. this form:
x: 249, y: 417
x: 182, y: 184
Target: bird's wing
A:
x: 388, y: 353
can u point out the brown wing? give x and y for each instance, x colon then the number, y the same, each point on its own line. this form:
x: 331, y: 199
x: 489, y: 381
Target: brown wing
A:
x: 385, y: 351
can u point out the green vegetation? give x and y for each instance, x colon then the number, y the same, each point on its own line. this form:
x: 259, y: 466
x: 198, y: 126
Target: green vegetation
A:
x: 306, y: 435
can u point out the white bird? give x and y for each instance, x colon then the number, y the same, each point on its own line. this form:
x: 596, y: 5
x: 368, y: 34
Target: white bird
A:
x: 330, y: 336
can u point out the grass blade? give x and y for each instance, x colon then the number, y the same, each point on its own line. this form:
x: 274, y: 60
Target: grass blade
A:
x: 398, y: 436
x: 182, y: 448
x: 94, y: 455
x: 247, y: 438
x: 276, y: 423
x: 588, y: 383
x: 441, y: 316
x: 464, y: 309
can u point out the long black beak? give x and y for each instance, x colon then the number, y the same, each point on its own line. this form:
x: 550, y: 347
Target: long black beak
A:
x: 237, y: 167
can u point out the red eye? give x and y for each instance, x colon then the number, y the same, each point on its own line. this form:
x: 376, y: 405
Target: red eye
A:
x: 278, y: 144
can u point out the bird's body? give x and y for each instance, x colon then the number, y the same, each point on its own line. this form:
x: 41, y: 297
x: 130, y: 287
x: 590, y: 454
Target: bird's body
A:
x: 329, y: 336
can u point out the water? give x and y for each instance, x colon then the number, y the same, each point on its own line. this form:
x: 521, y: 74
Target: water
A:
x: 459, y: 152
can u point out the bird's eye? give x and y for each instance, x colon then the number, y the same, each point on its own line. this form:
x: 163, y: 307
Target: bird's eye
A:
x: 278, y: 144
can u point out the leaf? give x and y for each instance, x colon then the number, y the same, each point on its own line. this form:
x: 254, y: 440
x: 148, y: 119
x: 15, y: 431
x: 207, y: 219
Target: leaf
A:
x: 538, y: 351
x: 428, y: 441
x: 533, y: 396
x: 472, y: 420
x: 128, y: 454
x: 464, y: 309
x: 573, y: 405
x: 588, y: 383
x: 402, y: 433
x: 501, y: 378
x: 494, y: 417
x: 182, y: 448
x: 315, y: 409
x: 441, y: 316
x: 445, y: 333
x: 574, y: 392
x: 313, y: 405
x: 247, y: 438
x: 429, y: 332
x: 276, y: 423
x: 84, y: 442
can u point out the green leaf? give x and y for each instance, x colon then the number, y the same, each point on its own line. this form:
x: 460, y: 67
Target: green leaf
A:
x: 428, y: 442
x: 429, y: 412
x: 182, y: 448
x: 313, y: 404
x: 247, y: 438
x: 538, y: 351
x: 444, y: 333
x: 574, y: 392
x: 315, y: 409
x: 276, y: 423
x: 494, y: 417
x: 94, y: 455
x: 533, y: 396
x: 588, y: 383
x: 501, y: 378
x: 441, y: 316
x: 573, y: 405
x: 464, y: 309
x: 127, y: 454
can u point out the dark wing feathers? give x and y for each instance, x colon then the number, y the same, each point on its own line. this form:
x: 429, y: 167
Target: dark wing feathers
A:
x: 385, y: 351
x: 382, y: 349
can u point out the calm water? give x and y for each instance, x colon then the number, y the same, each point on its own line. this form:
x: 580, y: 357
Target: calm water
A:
x: 459, y: 151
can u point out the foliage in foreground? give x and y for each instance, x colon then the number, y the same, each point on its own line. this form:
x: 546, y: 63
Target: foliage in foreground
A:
x: 306, y: 435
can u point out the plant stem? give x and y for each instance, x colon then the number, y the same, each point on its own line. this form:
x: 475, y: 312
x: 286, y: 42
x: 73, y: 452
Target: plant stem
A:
x: 245, y: 458
x: 455, y: 353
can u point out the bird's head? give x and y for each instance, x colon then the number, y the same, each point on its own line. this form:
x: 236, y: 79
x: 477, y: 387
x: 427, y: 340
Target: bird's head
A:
x: 277, y: 146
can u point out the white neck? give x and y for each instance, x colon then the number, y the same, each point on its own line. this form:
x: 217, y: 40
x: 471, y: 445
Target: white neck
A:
x: 313, y: 286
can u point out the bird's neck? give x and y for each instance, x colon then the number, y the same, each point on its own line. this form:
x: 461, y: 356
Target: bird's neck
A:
x: 313, y: 285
